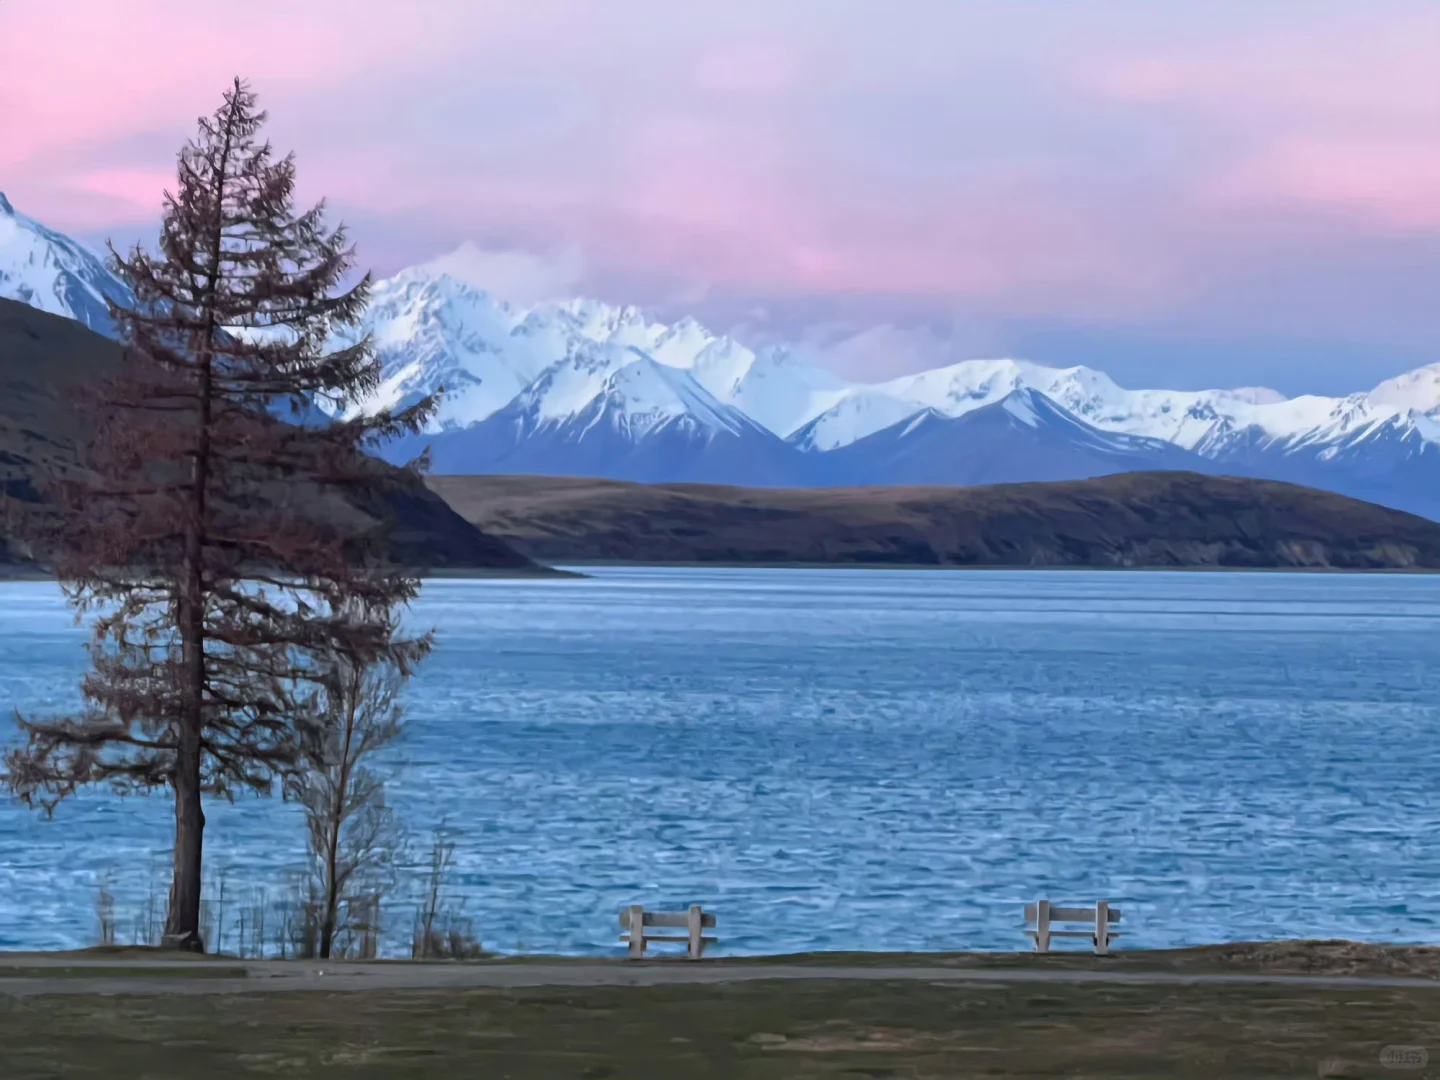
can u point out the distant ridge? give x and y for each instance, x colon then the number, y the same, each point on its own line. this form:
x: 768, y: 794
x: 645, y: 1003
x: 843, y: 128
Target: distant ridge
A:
x: 1155, y: 520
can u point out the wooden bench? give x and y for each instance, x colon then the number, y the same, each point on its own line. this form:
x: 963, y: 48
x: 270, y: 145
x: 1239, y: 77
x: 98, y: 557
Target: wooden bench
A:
x: 1099, y: 918
x: 638, y: 923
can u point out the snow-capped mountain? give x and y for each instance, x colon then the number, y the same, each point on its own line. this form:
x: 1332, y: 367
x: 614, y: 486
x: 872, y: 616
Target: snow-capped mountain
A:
x: 582, y: 387
x: 434, y: 331
x: 1416, y: 391
x: 1366, y: 451
x: 49, y: 271
x: 1181, y: 417
x: 612, y: 410
x: 1023, y: 436
x: 499, y: 364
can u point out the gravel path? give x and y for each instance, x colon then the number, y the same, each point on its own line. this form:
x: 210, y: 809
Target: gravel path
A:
x: 151, y: 977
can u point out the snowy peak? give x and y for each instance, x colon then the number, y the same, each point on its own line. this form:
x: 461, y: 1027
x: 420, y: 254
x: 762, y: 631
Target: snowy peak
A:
x: 1416, y: 391
x: 777, y: 388
x: 572, y: 384
x: 855, y: 415
x: 49, y: 271
x: 626, y: 389
x: 1030, y: 409
x: 433, y: 331
x: 603, y: 322
x: 970, y: 384
x: 1026, y: 406
x: 1023, y: 436
x: 953, y: 391
x: 645, y: 395
x: 613, y: 410
x: 683, y: 344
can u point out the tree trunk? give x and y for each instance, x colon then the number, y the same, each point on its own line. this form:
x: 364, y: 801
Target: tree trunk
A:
x: 327, y: 935
x: 182, y: 921
x: 339, y: 797
x: 330, y: 916
x: 182, y: 924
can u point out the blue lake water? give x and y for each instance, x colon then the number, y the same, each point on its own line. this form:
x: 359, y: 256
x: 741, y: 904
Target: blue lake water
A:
x: 856, y: 759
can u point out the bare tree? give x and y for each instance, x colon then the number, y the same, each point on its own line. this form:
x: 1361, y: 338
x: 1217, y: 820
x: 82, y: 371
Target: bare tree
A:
x: 203, y: 530
x: 442, y: 931
x: 354, y: 836
x: 105, y: 911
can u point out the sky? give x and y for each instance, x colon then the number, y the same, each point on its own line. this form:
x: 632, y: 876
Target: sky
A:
x: 1182, y: 194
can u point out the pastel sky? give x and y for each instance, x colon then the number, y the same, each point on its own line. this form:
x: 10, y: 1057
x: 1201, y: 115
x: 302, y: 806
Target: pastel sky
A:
x: 1184, y: 194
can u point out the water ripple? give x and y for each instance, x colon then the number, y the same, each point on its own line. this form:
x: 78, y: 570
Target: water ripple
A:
x: 860, y: 759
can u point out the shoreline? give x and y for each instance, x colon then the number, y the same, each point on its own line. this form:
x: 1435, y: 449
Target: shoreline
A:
x: 585, y: 564
x: 576, y: 570
x: 1286, y: 957
x: 540, y: 573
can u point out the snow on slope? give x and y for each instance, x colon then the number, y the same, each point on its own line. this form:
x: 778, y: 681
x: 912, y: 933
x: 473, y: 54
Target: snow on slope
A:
x: 630, y: 390
x: 1181, y: 417
x: 602, y: 322
x: 1415, y: 391
x: 612, y: 410
x: 681, y: 345
x: 644, y: 395
x: 773, y: 386
x: 49, y: 271
x: 432, y: 330
x: 858, y: 413
x: 1312, y: 421
x: 1023, y: 436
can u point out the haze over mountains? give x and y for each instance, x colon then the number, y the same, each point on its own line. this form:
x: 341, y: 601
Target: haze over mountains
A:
x: 582, y: 388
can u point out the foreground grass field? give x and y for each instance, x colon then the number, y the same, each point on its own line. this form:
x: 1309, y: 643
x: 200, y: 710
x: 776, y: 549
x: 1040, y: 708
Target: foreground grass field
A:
x: 763, y: 1030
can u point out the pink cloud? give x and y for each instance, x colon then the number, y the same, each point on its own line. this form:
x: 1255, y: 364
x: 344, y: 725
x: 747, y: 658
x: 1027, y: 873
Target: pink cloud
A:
x: 1395, y: 185
x: 111, y: 68
x: 1339, y: 116
x: 1048, y: 159
x: 752, y: 67
x: 142, y: 189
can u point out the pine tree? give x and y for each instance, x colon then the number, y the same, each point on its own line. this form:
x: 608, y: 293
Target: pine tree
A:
x: 214, y: 540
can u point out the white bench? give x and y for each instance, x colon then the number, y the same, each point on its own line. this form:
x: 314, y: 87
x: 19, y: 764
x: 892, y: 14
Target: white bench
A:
x: 638, y: 923
x: 1100, y: 918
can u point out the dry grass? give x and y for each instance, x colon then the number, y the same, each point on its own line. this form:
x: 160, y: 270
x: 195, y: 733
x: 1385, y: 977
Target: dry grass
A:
x: 1167, y: 520
x: 765, y: 1031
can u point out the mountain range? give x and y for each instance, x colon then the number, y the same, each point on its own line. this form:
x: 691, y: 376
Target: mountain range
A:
x: 584, y: 388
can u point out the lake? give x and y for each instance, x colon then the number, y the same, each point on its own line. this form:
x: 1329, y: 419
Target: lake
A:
x: 856, y: 759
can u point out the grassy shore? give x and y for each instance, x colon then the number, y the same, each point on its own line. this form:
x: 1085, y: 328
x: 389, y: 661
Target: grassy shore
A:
x: 765, y: 1029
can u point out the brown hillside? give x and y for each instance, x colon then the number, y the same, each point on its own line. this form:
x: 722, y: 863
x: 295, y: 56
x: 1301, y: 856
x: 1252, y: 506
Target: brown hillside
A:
x: 43, y: 357
x: 1130, y: 520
